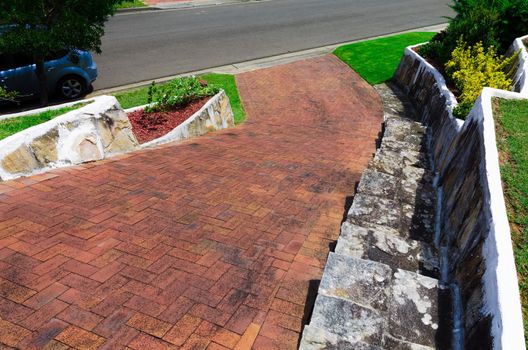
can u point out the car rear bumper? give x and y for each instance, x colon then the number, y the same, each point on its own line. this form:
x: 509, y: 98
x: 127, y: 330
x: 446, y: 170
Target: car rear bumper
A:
x: 92, y: 72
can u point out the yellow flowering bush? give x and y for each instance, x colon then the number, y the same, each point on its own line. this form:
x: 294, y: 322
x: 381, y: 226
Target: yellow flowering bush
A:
x: 471, y: 68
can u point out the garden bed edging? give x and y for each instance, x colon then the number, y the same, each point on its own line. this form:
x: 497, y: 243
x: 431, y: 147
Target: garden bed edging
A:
x: 473, y: 229
x: 216, y: 114
x: 94, y: 132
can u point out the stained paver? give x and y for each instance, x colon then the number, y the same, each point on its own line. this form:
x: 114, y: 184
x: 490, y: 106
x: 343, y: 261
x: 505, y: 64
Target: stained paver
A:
x: 217, y: 243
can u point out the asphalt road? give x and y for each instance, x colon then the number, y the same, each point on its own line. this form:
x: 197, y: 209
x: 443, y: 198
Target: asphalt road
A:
x: 149, y: 45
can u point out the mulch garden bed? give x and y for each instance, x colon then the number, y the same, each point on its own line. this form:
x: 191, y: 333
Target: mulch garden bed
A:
x: 150, y: 126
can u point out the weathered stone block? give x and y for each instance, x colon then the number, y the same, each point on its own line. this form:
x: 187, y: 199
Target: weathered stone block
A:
x: 198, y: 126
x: 20, y: 160
x: 45, y: 147
x: 414, y: 309
x: 317, y: 339
x: 115, y: 132
x: 378, y: 184
x: 384, y: 245
x: 396, y: 344
x: 374, y: 210
x: 360, y: 281
x: 350, y: 321
x: 418, y: 222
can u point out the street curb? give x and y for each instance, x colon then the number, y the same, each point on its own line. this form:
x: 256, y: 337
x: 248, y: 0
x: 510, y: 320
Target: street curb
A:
x: 259, y: 63
x: 185, y: 5
x: 138, y: 9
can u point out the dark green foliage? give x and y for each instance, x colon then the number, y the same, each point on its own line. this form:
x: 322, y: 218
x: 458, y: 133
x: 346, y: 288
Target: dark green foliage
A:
x: 178, y: 93
x: 41, y: 27
x: 493, y: 22
x: 9, y: 96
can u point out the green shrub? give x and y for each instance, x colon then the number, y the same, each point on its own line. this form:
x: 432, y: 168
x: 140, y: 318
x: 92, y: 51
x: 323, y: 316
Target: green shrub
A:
x: 177, y: 93
x: 6, y: 95
x: 471, y: 68
x: 492, y: 22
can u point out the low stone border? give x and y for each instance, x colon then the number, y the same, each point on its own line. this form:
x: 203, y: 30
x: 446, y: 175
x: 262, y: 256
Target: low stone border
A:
x: 90, y: 133
x: 473, y: 232
x: 95, y: 132
x: 216, y: 114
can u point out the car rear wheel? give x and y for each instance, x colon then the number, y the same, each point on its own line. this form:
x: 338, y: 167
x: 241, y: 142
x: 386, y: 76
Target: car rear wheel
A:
x: 71, y: 87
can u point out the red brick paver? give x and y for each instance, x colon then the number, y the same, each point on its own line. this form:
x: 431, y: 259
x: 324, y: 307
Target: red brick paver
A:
x: 215, y: 243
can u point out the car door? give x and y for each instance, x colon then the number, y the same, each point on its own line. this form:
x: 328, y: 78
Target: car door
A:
x: 54, y: 67
x: 17, y: 73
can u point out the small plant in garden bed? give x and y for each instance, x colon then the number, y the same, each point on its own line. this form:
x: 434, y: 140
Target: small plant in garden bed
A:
x: 138, y: 97
x: 7, y: 96
x: 170, y: 105
x: 177, y: 93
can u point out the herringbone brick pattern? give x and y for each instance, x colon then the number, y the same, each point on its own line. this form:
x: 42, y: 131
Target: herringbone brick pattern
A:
x: 215, y: 243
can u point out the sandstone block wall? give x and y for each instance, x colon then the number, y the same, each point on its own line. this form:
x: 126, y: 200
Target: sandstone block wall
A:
x: 90, y: 133
x: 472, y: 232
x: 95, y: 132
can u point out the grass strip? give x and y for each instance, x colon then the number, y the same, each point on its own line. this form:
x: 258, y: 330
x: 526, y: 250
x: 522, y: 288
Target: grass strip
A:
x: 227, y: 82
x: 11, y: 126
x: 512, y: 137
x: 130, y: 4
x: 376, y: 60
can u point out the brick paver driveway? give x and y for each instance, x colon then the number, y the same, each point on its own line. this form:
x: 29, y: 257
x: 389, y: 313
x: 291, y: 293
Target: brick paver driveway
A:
x: 211, y: 244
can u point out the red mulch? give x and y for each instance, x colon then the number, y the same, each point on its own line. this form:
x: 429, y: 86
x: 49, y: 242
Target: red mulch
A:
x: 150, y: 126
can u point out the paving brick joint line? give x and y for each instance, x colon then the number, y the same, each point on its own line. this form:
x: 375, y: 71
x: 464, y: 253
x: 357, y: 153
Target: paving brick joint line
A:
x: 214, y: 243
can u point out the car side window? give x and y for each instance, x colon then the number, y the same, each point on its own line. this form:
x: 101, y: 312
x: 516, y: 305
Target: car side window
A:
x: 57, y: 55
x: 8, y: 61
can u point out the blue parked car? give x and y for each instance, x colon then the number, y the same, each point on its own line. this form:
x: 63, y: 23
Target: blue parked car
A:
x: 70, y: 74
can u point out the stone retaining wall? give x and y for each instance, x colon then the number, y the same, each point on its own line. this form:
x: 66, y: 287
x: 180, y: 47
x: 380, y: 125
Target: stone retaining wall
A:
x: 472, y: 231
x: 521, y: 76
x: 90, y: 133
x: 94, y: 132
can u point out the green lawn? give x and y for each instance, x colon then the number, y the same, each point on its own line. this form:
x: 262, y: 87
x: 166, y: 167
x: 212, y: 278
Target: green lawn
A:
x: 133, y: 98
x: 377, y: 60
x: 228, y: 83
x: 512, y: 139
x: 130, y: 3
x: 138, y: 97
x: 11, y: 126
